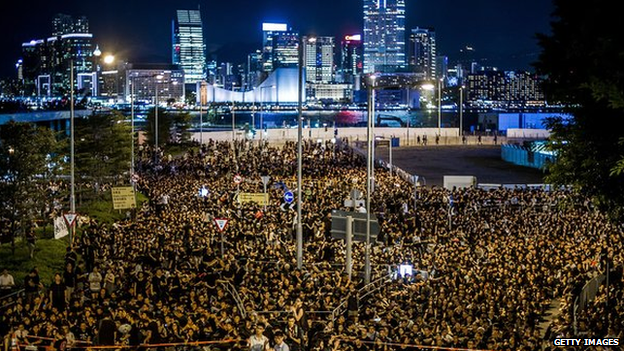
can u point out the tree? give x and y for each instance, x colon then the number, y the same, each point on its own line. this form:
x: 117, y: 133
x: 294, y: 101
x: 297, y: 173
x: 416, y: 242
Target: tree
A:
x: 172, y: 127
x: 102, y: 147
x: 27, y: 157
x: 583, y: 61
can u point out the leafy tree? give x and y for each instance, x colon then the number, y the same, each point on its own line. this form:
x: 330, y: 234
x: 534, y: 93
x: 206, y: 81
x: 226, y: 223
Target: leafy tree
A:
x: 102, y: 147
x: 27, y: 158
x: 583, y: 61
x: 172, y: 127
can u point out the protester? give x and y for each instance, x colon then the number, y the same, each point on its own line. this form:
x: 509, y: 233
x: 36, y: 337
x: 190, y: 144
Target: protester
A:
x: 483, y: 277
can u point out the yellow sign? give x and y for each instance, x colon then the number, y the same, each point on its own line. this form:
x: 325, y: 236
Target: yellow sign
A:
x: 259, y: 198
x: 123, y: 198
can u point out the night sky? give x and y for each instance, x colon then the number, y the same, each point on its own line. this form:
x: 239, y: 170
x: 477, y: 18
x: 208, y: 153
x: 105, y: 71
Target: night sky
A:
x: 501, y: 32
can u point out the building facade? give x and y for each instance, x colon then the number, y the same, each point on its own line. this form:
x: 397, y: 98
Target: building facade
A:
x: 422, y: 52
x: 318, y: 59
x: 509, y: 89
x: 162, y: 82
x: 280, y: 47
x: 384, y: 35
x: 47, y: 62
x: 351, y: 59
x: 189, y: 49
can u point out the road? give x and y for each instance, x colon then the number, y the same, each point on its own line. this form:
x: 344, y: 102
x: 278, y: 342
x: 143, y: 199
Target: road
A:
x: 482, y: 161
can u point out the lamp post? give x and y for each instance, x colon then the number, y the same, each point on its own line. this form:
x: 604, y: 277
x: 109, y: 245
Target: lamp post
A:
x: 299, y: 157
x: 440, y: 107
x: 72, y: 195
x: 461, y: 111
x: 369, y: 174
x: 158, y: 78
x: 262, y: 109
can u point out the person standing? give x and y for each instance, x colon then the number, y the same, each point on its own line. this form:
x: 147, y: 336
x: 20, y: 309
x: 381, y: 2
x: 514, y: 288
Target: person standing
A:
x: 258, y: 342
x: 280, y: 345
x: 31, y: 239
x: 6, y: 283
x: 57, y: 293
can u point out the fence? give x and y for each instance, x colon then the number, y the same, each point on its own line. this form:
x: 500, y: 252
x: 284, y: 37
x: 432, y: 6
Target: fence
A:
x: 526, y: 157
x: 361, y: 293
x: 588, y: 294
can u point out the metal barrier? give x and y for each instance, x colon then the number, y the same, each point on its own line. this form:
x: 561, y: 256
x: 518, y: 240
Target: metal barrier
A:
x: 9, y: 296
x: 588, y: 293
x: 361, y: 293
x: 232, y: 290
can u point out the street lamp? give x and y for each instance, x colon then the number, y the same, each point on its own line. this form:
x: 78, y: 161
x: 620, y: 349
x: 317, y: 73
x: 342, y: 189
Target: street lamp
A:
x: 299, y: 155
x: 440, y: 107
x: 158, y: 77
x: 72, y: 195
x: 369, y: 173
x: 461, y: 111
x: 262, y: 111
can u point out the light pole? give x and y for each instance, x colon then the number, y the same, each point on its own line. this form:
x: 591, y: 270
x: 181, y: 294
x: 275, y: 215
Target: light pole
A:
x: 262, y: 103
x: 461, y: 111
x: 440, y: 107
x: 369, y: 174
x: 158, y: 78
x: 72, y: 196
x: 299, y: 157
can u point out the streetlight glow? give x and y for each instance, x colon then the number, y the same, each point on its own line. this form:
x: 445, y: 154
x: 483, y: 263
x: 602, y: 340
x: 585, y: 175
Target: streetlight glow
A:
x: 109, y: 59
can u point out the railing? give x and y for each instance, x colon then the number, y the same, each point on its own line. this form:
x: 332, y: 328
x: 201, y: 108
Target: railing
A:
x: 361, y: 293
x: 239, y: 303
x: 4, y: 304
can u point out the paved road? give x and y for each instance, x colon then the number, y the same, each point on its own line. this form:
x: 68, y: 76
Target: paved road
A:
x: 482, y: 161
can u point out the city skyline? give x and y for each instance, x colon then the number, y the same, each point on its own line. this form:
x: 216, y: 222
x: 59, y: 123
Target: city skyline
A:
x: 502, y: 34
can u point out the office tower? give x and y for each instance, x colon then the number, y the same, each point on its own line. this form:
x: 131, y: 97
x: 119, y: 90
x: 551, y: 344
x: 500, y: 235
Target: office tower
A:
x: 318, y: 59
x: 384, y: 35
x: 66, y: 24
x: 279, y: 47
x: 47, y: 62
x: 351, y: 58
x: 189, y: 49
x: 492, y: 88
x: 254, y: 69
x: 422, y: 52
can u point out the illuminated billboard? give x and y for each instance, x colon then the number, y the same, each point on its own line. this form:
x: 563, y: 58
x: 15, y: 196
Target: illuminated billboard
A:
x: 275, y: 27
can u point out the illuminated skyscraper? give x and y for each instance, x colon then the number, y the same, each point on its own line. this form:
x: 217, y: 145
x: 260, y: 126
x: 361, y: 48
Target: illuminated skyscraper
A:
x: 318, y: 59
x: 189, y: 49
x: 422, y: 52
x: 351, y: 55
x: 47, y: 61
x: 384, y: 35
x: 279, y: 47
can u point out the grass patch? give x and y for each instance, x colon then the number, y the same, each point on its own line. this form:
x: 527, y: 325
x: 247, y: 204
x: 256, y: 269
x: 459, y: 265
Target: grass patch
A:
x: 49, y: 258
x: 49, y: 255
x: 102, y: 209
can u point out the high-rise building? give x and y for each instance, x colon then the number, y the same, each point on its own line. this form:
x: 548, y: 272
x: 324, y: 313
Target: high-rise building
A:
x: 351, y: 59
x: 66, y: 24
x: 318, y: 59
x: 47, y: 62
x: 280, y: 47
x: 189, y: 49
x: 494, y: 88
x: 422, y: 52
x: 384, y: 35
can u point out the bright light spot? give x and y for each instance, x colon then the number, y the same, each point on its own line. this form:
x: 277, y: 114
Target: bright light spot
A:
x: 108, y: 59
x: 428, y: 86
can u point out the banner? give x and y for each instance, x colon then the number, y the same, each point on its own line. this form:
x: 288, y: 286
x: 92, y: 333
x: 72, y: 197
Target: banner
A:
x: 123, y: 198
x: 60, y: 228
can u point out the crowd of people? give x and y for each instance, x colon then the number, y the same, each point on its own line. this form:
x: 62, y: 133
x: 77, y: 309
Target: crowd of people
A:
x: 487, y: 264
